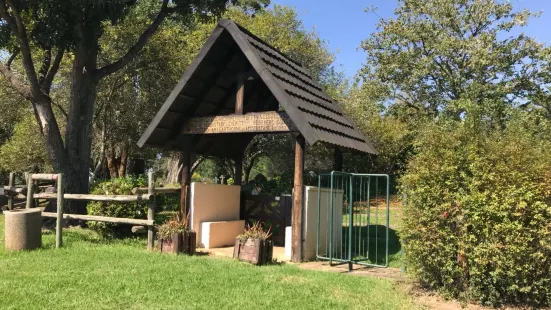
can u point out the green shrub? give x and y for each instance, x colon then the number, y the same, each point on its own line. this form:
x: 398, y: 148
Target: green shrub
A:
x: 478, y: 214
x: 167, y: 202
x: 118, y: 186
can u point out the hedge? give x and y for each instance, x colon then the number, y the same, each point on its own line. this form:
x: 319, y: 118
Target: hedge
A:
x: 118, y: 186
x: 478, y: 214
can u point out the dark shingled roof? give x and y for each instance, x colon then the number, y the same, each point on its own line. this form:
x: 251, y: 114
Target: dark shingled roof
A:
x: 208, y: 87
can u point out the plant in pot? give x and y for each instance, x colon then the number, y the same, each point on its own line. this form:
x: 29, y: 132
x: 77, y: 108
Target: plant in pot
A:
x: 175, y: 236
x: 254, y: 245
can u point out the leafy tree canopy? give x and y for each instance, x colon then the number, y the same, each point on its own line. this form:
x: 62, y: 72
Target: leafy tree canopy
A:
x: 435, y: 57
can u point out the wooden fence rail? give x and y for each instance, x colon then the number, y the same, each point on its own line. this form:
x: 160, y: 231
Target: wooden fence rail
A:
x: 95, y: 218
x: 44, y: 176
x: 140, y: 194
x: 157, y: 190
x: 112, y: 198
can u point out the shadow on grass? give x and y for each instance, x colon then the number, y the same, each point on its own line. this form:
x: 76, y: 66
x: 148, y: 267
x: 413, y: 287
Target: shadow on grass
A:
x: 76, y: 235
x: 275, y: 262
x: 368, y: 245
x: 201, y: 253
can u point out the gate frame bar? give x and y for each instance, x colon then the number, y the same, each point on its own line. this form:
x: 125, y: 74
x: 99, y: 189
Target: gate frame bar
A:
x: 351, y: 261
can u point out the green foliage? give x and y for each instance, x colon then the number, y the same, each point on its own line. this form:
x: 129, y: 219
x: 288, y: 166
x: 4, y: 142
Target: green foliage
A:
x: 196, y: 177
x: 118, y: 186
x: 13, y: 110
x: 24, y: 151
x: 279, y: 184
x: 52, y: 23
x: 435, y: 54
x: 391, y: 136
x: 478, y: 212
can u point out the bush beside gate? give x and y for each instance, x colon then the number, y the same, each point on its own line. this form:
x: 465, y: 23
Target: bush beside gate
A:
x: 478, y: 214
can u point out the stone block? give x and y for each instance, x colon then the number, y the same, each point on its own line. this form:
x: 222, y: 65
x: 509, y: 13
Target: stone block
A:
x: 220, y: 234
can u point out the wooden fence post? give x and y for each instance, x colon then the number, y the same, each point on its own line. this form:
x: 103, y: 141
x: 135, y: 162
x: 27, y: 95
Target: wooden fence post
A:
x: 151, y: 210
x: 30, y: 191
x: 11, y: 183
x: 60, y: 203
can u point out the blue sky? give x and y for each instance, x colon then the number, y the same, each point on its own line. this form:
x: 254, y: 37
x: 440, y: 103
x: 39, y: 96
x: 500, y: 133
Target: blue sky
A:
x: 344, y: 24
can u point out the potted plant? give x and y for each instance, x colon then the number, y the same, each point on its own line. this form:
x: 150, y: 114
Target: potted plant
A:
x: 174, y: 236
x: 254, y: 245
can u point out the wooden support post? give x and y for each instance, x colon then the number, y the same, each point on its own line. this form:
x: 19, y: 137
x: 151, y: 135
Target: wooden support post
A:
x: 11, y: 183
x: 30, y: 191
x: 240, y: 95
x: 296, y: 248
x: 337, y: 165
x: 185, y: 182
x: 59, y: 221
x: 151, y: 210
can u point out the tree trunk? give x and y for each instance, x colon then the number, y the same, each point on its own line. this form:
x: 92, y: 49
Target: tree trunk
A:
x: 78, y: 136
x: 123, y: 162
x: 116, y: 163
x: 111, y: 162
x: 174, y: 167
x: 51, y: 135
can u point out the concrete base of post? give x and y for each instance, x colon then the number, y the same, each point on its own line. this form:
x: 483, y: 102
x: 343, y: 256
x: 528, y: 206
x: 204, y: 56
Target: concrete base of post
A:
x: 23, y: 229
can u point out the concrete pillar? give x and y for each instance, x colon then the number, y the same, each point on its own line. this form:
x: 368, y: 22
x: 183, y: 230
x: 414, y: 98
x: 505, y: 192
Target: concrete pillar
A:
x: 23, y: 229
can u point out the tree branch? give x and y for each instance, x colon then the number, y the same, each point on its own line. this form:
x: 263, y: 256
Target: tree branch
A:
x: 16, y: 81
x: 18, y: 28
x: 196, y: 164
x: 137, y: 48
x: 48, y: 80
x: 12, y: 58
x: 101, y: 103
x: 45, y: 66
x: 60, y: 108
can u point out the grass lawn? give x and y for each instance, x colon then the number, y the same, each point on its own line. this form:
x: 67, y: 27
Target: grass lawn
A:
x: 93, y: 273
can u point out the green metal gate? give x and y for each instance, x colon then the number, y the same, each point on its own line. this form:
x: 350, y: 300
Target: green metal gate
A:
x: 353, y: 218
